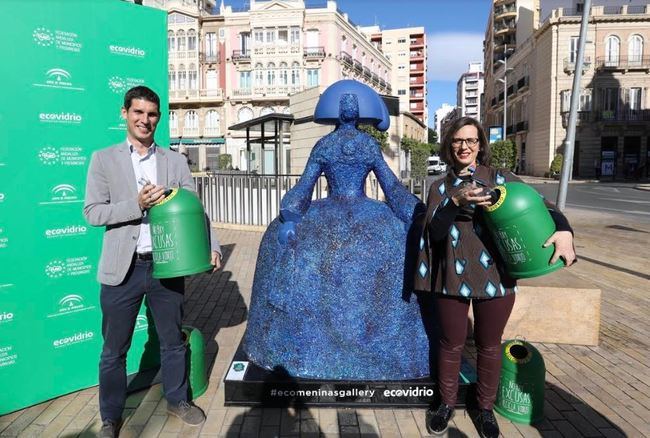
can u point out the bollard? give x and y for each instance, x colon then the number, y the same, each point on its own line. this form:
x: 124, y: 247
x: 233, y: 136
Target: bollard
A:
x: 521, y: 387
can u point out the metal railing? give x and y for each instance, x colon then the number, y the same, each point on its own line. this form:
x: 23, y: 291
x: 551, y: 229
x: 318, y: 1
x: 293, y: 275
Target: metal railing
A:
x: 254, y: 200
x: 623, y: 62
x: 209, y: 57
x: 314, y: 52
x: 239, y: 55
x: 628, y: 115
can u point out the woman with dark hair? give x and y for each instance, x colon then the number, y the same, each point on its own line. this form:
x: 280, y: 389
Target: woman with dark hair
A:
x: 460, y: 264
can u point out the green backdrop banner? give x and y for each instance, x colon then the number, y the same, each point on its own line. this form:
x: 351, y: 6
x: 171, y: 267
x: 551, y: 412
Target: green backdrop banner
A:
x: 69, y: 63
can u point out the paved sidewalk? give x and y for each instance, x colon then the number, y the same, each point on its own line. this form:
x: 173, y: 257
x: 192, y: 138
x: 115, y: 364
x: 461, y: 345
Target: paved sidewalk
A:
x: 590, y: 391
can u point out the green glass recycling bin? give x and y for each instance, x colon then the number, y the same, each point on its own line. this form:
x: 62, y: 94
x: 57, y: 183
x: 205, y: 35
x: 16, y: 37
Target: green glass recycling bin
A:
x: 198, y: 382
x: 179, y: 235
x: 521, y: 387
x: 520, y: 224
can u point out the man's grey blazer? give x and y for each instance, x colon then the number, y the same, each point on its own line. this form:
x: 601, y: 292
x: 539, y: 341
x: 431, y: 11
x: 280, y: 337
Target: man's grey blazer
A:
x: 112, y: 201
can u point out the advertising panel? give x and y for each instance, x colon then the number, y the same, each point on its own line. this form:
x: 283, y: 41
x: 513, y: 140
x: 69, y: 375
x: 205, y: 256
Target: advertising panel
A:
x: 71, y: 62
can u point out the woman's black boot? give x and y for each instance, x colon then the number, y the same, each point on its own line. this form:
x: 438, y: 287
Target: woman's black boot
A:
x: 438, y: 420
x: 487, y: 424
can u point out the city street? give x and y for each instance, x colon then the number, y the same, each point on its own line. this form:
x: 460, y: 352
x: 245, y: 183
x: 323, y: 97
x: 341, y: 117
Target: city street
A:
x: 618, y: 199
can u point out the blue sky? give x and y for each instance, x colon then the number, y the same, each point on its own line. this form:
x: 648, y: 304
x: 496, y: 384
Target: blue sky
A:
x: 455, y: 31
x: 454, y: 28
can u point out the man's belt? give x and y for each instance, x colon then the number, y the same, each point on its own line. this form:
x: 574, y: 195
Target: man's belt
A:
x: 143, y: 256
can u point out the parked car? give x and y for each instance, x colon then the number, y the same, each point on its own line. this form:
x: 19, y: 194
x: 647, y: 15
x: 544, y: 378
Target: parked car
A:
x: 435, y: 165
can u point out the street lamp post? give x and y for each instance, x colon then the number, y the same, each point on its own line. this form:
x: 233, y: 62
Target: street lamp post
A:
x: 504, y: 81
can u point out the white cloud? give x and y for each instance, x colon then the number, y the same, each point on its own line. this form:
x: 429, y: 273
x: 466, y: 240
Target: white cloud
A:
x: 450, y: 53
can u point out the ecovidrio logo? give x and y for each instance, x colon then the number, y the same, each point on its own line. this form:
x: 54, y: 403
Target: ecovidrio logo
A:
x: 66, y: 231
x: 117, y: 49
x: 2, y: 197
x: 76, y: 338
x: 6, y: 317
x: 64, y: 118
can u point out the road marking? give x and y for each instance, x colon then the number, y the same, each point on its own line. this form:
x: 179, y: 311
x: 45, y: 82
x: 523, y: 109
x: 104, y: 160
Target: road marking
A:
x: 591, y: 207
x: 636, y: 201
x: 608, y: 189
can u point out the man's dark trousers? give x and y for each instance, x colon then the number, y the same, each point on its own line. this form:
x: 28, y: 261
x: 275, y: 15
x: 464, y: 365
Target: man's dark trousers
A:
x: 120, y: 306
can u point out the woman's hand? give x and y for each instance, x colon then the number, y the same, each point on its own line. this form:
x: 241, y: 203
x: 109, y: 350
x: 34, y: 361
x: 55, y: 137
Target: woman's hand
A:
x: 563, y: 241
x: 470, y: 194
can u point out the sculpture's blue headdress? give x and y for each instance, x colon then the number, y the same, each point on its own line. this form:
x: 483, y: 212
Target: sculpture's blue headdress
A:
x: 372, y: 109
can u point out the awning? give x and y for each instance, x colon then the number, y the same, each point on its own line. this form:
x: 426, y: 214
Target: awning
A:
x: 189, y: 141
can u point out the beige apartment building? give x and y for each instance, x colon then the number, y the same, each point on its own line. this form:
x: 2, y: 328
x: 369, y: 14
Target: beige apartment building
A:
x: 613, y: 129
x: 406, y: 48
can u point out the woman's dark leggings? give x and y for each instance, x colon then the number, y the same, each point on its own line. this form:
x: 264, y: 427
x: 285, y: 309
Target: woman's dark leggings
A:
x: 490, y: 318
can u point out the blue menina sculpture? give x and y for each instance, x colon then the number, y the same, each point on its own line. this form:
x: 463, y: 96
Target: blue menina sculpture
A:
x: 328, y: 298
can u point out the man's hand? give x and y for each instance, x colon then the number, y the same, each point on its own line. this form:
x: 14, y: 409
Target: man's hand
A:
x: 215, y: 261
x: 150, y: 195
x: 563, y: 241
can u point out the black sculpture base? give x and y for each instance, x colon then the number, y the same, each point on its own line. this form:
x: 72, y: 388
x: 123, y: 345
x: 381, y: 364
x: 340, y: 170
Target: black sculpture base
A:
x: 246, y: 384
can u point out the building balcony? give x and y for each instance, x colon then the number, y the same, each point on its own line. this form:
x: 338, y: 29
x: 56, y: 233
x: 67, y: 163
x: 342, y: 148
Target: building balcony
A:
x: 416, y: 42
x: 241, y: 56
x: 358, y: 67
x: 416, y: 96
x: 623, y: 63
x: 209, y: 58
x: 190, y: 132
x: 182, y: 54
x: 511, y: 90
x: 242, y: 92
x: 493, y: 102
x: 375, y: 79
x: 382, y: 83
x: 314, y: 53
x: 623, y: 116
x: 211, y: 94
x: 416, y: 82
x: 176, y: 96
x: 583, y: 117
x: 210, y: 131
x: 346, y: 59
x: 502, y: 29
x: 418, y: 54
x: 522, y: 126
x: 570, y: 65
x: 417, y: 67
x: 267, y: 91
x: 505, y: 12
x: 367, y: 74
x: 510, y: 130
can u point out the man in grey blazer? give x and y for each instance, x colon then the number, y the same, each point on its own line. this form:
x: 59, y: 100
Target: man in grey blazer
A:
x: 124, y: 181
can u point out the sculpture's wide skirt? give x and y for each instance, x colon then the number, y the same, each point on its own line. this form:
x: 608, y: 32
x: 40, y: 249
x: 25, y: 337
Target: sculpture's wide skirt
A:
x: 330, y: 303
